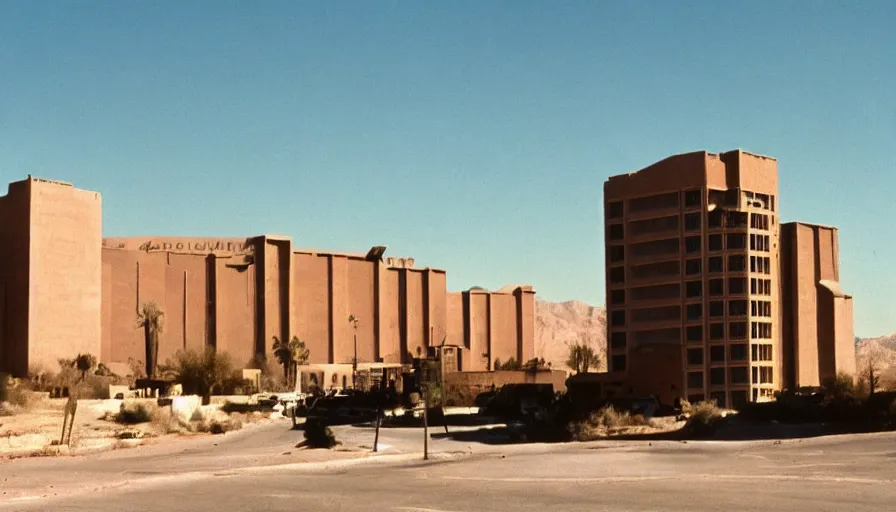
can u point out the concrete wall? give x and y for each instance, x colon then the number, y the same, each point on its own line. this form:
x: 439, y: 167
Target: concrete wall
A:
x: 15, y: 221
x: 66, y: 290
x: 816, y: 315
x: 65, y: 279
x: 480, y: 381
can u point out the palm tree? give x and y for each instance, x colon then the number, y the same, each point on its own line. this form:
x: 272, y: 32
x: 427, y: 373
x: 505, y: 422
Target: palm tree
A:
x: 289, y: 354
x: 150, y: 319
x: 581, y: 358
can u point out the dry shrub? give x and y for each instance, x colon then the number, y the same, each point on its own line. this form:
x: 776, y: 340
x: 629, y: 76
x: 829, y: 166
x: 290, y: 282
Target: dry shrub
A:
x: 459, y: 396
x: 134, y: 412
x: 601, y: 422
x: 703, y: 418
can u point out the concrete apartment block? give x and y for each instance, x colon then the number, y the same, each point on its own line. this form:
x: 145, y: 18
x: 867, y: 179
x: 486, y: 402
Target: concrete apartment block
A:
x: 51, y: 274
x: 700, y: 304
x: 65, y: 290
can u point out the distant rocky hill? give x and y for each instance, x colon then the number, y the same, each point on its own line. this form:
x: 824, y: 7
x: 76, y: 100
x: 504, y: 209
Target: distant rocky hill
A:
x: 561, y: 324
x: 883, y: 351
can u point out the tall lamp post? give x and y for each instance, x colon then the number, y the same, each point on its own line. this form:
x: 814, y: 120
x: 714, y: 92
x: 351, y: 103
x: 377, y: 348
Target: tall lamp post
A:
x: 353, y: 321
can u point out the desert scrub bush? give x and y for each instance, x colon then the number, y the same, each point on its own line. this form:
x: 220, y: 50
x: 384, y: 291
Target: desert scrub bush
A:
x: 704, y: 417
x: 599, y: 423
x: 135, y: 412
x: 459, y: 396
x: 318, y: 435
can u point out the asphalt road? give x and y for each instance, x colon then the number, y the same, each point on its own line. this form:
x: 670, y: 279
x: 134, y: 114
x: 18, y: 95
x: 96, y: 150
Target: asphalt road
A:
x: 855, y: 473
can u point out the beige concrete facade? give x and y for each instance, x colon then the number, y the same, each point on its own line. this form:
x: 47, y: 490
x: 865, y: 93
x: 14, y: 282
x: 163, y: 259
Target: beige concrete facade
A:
x: 65, y: 291
x: 694, y: 283
x: 50, y: 274
x: 817, y: 316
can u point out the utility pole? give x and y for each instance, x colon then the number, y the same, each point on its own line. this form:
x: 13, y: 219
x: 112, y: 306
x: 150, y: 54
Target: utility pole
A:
x: 353, y: 321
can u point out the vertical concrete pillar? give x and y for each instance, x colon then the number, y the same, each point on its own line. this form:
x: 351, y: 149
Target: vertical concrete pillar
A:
x: 211, y: 304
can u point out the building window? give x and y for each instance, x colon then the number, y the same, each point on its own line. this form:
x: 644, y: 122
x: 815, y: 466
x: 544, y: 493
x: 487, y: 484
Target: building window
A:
x: 719, y: 398
x: 614, y: 210
x: 716, y: 332
x: 715, y: 242
x: 737, y: 330
x: 654, y: 270
x: 761, y: 352
x: 616, y: 232
x: 657, y: 202
x: 716, y: 309
x: 761, y: 330
x: 654, y: 225
x: 736, y: 220
x: 617, y: 275
x: 617, y: 340
x: 739, y: 375
x: 715, y: 264
x: 692, y: 244
x: 617, y: 253
x: 617, y: 362
x: 692, y: 267
x: 714, y: 219
x: 738, y: 399
x: 736, y: 241
x: 716, y: 287
x: 695, y: 357
x: 717, y: 354
x: 737, y: 263
x: 693, y: 198
x: 737, y: 285
x: 716, y: 376
x: 694, y: 311
x: 617, y: 297
x: 692, y: 222
x: 693, y: 289
x: 694, y: 333
x: 617, y: 318
x: 737, y: 308
x: 695, y: 380
x: 738, y: 352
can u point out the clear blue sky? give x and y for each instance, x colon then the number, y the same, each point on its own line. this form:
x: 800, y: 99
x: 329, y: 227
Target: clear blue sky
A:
x: 474, y: 136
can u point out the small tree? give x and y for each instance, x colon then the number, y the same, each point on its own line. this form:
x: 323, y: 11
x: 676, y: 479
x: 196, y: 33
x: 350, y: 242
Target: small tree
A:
x: 84, y: 363
x: 582, y: 358
x: 150, y: 319
x: 201, y: 372
x: 871, y: 370
x: 289, y: 354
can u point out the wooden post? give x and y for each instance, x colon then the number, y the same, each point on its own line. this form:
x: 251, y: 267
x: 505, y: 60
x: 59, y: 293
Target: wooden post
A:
x: 424, y: 387
x: 376, y: 437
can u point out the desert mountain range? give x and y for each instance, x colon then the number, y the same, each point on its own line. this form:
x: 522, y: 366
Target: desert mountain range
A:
x: 560, y: 324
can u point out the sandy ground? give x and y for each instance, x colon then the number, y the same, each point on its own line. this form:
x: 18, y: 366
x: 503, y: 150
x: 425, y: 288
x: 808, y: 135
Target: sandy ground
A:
x: 36, y: 430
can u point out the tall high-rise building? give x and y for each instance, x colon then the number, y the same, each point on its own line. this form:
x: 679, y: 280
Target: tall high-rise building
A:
x: 692, y: 278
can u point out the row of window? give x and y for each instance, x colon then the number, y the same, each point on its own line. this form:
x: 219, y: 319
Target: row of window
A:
x: 736, y: 308
x: 692, y: 199
x: 716, y: 219
x: 694, y: 334
x: 759, y: 243
x: 737, y: 376
x: 759, y: 221
x: 714, y: 265
x: 737, y: 352
x: 760, y: 264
